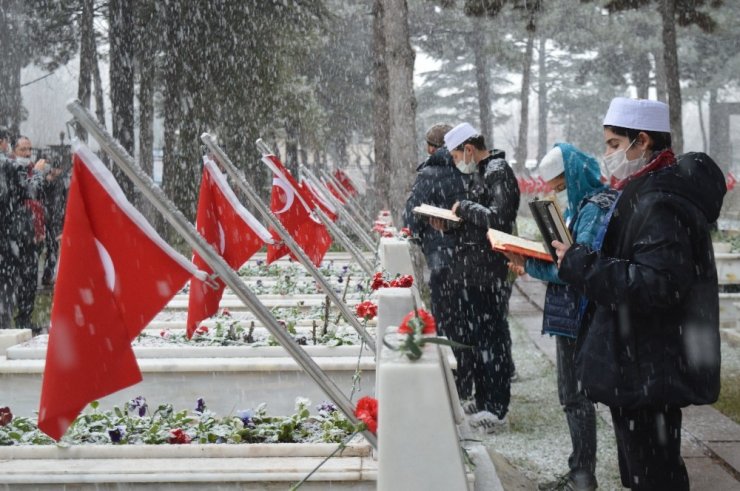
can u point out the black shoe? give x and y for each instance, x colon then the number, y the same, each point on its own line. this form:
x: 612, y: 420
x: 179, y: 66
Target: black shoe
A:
x: 571, y: 482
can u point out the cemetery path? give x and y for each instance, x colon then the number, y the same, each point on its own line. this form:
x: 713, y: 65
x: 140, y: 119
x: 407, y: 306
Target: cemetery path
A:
x: 711, y: 441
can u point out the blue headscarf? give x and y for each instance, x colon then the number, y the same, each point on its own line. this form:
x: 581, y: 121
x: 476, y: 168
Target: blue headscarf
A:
x: 582, y: 176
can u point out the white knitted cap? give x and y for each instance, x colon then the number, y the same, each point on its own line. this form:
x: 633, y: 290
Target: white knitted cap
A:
x: 638, y: 114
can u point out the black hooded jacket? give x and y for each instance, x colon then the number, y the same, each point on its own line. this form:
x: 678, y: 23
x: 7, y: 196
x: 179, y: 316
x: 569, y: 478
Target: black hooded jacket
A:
x: 652, y: 330
x: 489, y: 198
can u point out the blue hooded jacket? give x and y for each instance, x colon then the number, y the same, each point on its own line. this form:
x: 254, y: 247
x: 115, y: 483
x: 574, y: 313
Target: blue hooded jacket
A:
x: 588, y: 203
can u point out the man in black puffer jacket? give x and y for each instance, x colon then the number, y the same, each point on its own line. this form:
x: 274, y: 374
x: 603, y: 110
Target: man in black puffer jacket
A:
x: 651, y: 343
x: 470, y: 291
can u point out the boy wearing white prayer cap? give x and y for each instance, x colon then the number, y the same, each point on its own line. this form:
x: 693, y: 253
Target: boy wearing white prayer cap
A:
x: 650, y: 341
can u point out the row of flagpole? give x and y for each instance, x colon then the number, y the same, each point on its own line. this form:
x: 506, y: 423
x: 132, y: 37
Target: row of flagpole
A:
x: 222, y: 269
x: 285, y: 236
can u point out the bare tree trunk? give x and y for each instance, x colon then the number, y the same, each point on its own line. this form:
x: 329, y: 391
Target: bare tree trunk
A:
x: 98, y: 90
x: 641, y: 75
x: 11, y: 63
x: 521, y: 148
x: 381, y: 112
x: 701, y: 123
x: 542, y: 105
x: 87, y: 56
x: 121, y: 21
x: 670, y: 56
x: 479, y: 41
x: 401, y: 103
x: 660, y: 82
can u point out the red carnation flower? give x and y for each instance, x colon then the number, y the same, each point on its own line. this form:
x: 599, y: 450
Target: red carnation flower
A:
x: 403, y: 281
x: 177, y: 436
x: 385, y: 213
x: 367, y: 412
x: 387, y: 233
x: 5, y: 416
x: 366, y: 310
x: 378, y: 282
x: 405, y: 232
x: 428, y: 325
x: 202, y: 330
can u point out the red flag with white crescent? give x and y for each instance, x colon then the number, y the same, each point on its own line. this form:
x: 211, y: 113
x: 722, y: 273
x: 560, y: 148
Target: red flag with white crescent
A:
x: 293, y: 205
x: 115, y: 274
x: 229, y: 227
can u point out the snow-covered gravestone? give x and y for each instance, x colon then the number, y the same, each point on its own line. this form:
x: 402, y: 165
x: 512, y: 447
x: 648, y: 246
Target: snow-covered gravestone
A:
x: 393, y: 305
x: 395, y: 257
x: 414, y: 410
x: 11, y: 337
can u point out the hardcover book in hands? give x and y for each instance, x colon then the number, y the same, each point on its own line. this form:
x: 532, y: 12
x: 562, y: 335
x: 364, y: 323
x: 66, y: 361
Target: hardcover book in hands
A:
x: 430, y: 211
x: 549, y: 219
x: 503, y: 242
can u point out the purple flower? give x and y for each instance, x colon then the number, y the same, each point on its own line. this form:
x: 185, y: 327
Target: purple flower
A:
x: 116, y: 434
x: 340, y: 279
x: 139, y: 405
x: 345, y: 267
x: 246, y: 416
x: 260, y: 262
x: 200, y: 405
x: 360, y: 287
x: 326, y: 407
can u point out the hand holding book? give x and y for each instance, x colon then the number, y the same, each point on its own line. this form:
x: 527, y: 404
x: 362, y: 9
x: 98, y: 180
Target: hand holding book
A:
x: 551, y: 224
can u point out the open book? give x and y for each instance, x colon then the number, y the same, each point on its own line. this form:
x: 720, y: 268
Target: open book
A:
x: 549, y: 219
x: 435, y: 212
x: 501, y: 241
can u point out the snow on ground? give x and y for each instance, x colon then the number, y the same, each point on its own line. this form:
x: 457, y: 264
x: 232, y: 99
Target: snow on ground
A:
x: 537, y: 441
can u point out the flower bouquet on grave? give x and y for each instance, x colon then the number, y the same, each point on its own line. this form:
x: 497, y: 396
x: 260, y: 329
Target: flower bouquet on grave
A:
x: 420, y: 328
x: 137, y: 424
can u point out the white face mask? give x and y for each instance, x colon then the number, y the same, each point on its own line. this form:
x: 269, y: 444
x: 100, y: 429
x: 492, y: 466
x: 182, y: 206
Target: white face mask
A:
x: 617, y: 166
x: 466, y: 167
x: 562, y: 199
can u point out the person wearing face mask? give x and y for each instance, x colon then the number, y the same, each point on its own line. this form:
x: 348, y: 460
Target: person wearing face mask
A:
x: 650, y: 339
x: 574, y: 178
x: 473, y: 295
x: 30, y: 231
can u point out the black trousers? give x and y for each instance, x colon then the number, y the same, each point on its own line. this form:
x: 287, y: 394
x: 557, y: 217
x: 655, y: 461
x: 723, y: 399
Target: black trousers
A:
x: 28, y: 269
x: 579, y: 411
x: 476, y: 317
x: 649, y: 449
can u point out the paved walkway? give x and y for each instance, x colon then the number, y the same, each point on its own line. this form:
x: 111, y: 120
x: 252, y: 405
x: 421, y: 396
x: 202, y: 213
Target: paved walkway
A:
x: 711, y: 441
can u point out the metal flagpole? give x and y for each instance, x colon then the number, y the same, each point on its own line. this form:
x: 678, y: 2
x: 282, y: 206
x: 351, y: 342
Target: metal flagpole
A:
x: 351, y: 204
x: 157, y: 197
x: 346, y: 194
x: 343, y: 213
x: 285, y: 236
x: 342, y: 238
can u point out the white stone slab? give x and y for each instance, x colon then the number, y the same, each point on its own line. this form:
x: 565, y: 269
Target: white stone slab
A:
x: 110, y: 467
x: 300, y: 323
x: 728, y: 268
x: 226, y: 384
x: 395, y: 257
x: 728, y: 313
x: 11, y: 337
x: 22, y: 352
x: 393, y: 305
x: 414, y: 404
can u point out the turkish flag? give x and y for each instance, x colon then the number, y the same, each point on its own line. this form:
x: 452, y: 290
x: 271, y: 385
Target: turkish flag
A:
x: 115, y: 274
x: 321, y: 200
x: 234, y: 232
x: 346, y: 182
x: 292, y: 204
